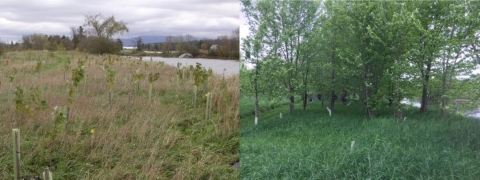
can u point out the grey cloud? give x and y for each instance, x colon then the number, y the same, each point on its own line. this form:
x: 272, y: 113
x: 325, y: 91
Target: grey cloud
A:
x: 200, y: 18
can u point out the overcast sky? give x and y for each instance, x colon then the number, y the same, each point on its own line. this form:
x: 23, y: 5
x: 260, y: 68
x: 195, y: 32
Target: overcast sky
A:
x: 200, y: 18
x: 244, y: 28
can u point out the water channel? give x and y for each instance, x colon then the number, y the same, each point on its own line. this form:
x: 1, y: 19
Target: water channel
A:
x: 227, y: 67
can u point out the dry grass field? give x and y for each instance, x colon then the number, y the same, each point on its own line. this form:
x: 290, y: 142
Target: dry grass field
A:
x: 137, y: 138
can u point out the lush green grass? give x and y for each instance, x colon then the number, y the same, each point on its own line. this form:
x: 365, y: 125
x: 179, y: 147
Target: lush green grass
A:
x: 313, y: 145
x: 248, y: 106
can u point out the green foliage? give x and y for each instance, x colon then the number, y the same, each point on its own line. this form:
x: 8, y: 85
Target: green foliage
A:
x: 10, y: 78
x: 66, y: 67
x: 110, y: 59
x: 201, y: 74
x: 380, y: 50
x: 59, y: 117
x: 179, y: 70
x: 110, y: 75
x: 21, y: 103
x: 153, y: 77
x: 101, y: 45
x: 36, y: 98
x: 160, y: 65
x: 138, y: 77
x: 38, y: 67
x: 77, y: 75
x: 27, y: 104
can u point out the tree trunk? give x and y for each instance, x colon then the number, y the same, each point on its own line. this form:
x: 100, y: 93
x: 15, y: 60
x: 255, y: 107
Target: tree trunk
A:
x: 256, y: 105
x: 292, y: 103
x: 444, y: 90
x: 255, y: 89
x: 305, y: 99
x: 332, y: 79
x: 369, y: 111
x: 332, y: 101
x: 423, y: 106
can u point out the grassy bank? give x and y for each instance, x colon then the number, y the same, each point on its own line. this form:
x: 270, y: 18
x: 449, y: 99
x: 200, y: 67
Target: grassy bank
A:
x: 138, y: 138
x: 314, y: 145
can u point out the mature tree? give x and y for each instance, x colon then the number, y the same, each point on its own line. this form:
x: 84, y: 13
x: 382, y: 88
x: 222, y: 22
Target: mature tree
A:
x: 102, y: 30
x: 26, y: 42
x: 285, y: 25
x: 78, y: 36
x: 388, y: 50
x: 119, y: 44
x: 234, y: 43
x: 190, y: 46
x: 459, y: 25
x: 105, y: 27
x: 167, y: 46
x: 36, y: 41
x: 139, y: 44
x: 179, y: 44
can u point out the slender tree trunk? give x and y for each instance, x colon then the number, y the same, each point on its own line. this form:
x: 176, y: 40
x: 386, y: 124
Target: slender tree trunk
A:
x: 398, y: 109
x: 344, y: 97
x: 332, y: 82
x: 305, y: 83
x: 332, y: 100
x: 475, y: 50
x: 256, y: 107
x: 305, y: 97
x: 423, y: 106
x: 292, y: 103
x: 255, y: 84
x: 368, y: 110
x: 444, y: 89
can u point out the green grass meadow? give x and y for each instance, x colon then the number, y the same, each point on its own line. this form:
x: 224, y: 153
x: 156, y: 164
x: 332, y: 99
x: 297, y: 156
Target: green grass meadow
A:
x: 313, y: 145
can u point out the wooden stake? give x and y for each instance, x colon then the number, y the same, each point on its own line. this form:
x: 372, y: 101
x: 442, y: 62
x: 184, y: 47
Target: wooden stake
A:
x: 47, y: 175
x: 352, y: 146
x: 16, y: 153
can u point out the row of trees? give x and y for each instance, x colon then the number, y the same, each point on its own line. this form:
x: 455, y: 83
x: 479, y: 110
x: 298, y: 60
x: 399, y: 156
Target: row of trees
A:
x: 228, y: 46
x: 383, y: 51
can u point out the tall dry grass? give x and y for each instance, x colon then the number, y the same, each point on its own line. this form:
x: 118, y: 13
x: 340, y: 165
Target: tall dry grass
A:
x: 163, y: 139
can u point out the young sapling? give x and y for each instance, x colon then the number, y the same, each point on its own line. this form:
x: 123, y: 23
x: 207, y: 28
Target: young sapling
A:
x: 152, y: 78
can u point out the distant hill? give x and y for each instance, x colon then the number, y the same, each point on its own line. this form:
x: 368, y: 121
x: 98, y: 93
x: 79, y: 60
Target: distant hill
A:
x: 146, y: 40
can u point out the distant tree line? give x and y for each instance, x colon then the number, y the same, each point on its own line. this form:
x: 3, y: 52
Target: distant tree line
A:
x: 224, y: 46
x: 95, y: 36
